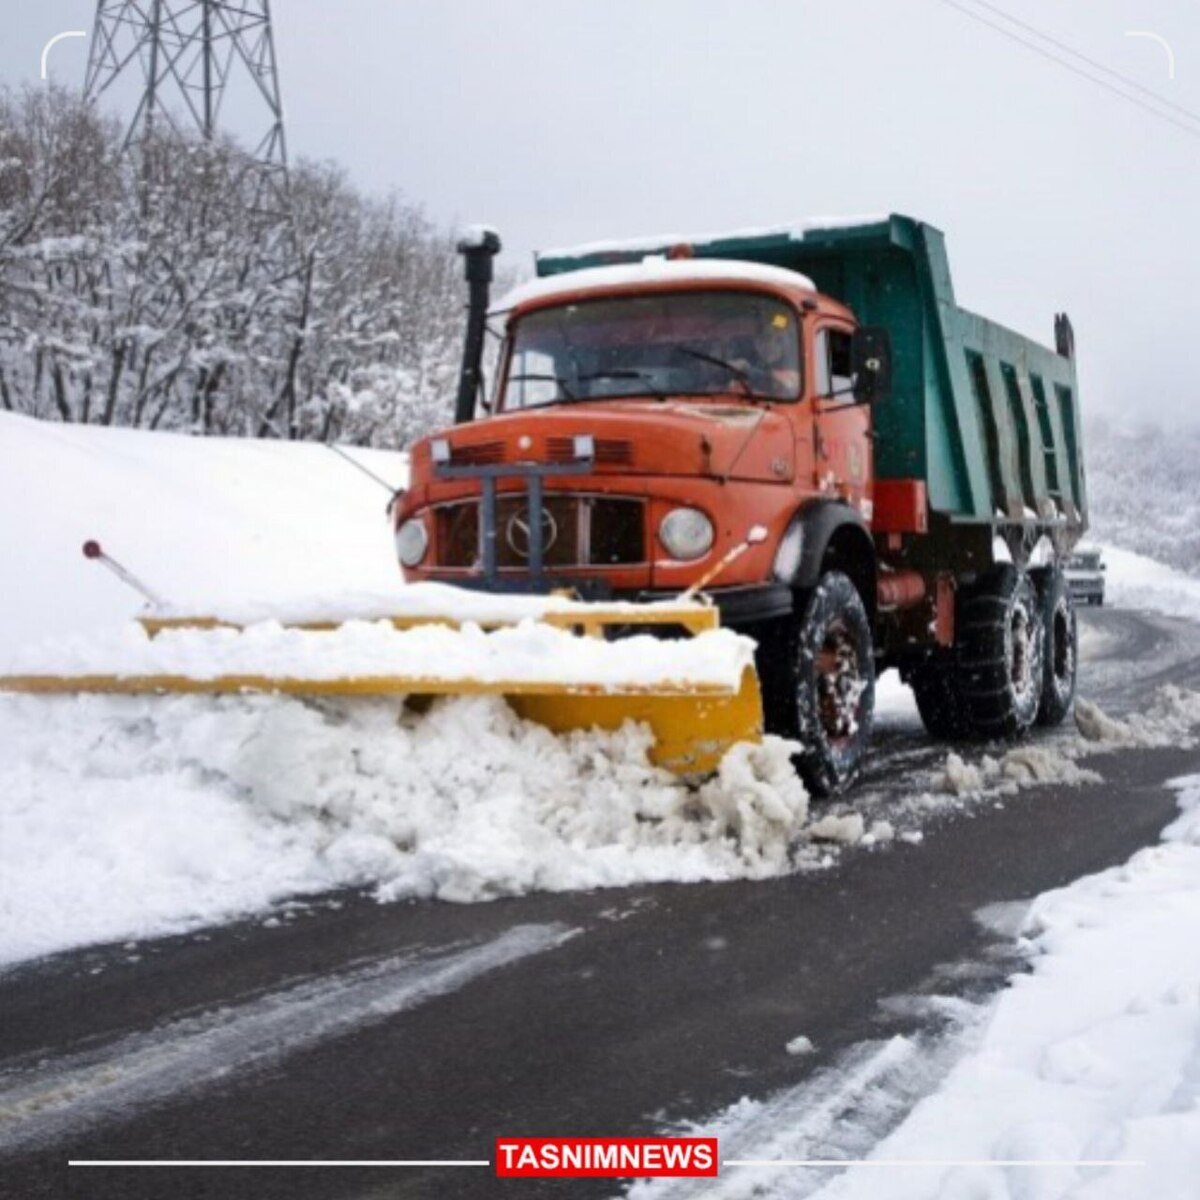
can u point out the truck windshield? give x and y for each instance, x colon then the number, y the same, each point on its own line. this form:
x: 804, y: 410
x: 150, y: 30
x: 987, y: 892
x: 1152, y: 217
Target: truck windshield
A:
x: 682, y: 343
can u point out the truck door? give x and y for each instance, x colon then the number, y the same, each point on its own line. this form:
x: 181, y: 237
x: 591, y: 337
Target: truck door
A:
x: 842, y: 462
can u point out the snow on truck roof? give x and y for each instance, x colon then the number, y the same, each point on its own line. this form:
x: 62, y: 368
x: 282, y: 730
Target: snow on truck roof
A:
x: 793, y: 231
x: 652, y: 270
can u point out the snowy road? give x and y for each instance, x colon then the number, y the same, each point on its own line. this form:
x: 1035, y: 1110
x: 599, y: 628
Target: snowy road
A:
x: 418, y: 1030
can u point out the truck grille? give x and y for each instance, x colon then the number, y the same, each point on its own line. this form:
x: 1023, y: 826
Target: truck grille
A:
x: 610, y: 452
x: 577, y: 531
x: 478, y: 454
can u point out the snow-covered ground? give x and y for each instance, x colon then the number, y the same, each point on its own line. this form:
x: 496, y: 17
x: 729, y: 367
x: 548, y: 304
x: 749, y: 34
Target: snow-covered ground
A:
x: 1094, y: 1056
x: 1135, y: 581
x: 1080, y: 1081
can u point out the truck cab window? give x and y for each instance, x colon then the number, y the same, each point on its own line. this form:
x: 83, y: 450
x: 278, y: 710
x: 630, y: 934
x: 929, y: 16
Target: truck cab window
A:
x: 833, y: 366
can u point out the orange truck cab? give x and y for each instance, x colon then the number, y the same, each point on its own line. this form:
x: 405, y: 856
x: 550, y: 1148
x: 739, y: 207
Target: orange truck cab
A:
x: 688, y: 416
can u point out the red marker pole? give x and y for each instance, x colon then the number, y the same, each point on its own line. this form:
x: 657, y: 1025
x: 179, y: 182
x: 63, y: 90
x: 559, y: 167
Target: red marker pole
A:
x: 93, y: 550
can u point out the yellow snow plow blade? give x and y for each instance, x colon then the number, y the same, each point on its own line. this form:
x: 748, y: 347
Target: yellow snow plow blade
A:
x: 693, y: 722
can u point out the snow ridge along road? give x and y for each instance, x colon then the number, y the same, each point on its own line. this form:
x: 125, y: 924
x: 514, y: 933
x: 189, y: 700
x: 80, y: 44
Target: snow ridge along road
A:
x: 48, y: 1099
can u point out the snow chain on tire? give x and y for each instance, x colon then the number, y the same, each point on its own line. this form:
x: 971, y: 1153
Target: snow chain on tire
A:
x: 1000, y: 653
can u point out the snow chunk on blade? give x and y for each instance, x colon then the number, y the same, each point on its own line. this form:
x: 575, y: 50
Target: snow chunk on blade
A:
x: 530, y: 652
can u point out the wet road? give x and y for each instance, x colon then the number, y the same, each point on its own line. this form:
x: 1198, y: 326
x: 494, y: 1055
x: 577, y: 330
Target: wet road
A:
x: 416, y: 1030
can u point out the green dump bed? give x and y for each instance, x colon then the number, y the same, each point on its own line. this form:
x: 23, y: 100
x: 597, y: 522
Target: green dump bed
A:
x: 988, y: 418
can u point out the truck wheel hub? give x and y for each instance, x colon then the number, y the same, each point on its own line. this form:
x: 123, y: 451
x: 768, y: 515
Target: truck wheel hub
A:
x: 1021, y: 660
x: 840, y: 684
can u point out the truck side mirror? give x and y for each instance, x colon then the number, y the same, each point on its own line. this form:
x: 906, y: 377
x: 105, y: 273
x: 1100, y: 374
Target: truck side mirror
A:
x: 871, y: 361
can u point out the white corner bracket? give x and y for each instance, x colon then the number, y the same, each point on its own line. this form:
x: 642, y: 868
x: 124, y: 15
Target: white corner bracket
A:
x: 1162, y: 41
x: 58, y: 37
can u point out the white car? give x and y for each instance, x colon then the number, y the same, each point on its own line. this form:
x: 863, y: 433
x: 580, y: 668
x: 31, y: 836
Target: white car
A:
x: 1085, y: 575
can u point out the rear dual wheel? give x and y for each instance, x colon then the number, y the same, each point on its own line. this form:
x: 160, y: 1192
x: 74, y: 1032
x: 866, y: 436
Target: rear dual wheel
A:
x: 1014, y: 664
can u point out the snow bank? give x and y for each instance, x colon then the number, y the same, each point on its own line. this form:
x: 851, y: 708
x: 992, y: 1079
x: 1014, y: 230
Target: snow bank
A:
x: 128, y: 816
x: 207, y: 519
x: 1135, y: 581
x: 1095, y: 1055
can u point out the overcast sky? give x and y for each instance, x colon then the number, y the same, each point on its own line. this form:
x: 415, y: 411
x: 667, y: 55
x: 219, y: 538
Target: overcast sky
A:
x: 561, y: 121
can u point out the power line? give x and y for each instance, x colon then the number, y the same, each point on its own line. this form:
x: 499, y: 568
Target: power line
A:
x: 1091, y: 62
x: 1193, y: 129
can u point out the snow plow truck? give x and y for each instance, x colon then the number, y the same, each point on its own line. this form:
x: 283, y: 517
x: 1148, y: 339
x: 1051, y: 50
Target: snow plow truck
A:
x: 802, y: 425
x: 792, y: 433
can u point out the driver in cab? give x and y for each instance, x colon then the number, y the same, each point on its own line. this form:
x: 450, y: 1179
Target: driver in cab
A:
x: 770, y: 364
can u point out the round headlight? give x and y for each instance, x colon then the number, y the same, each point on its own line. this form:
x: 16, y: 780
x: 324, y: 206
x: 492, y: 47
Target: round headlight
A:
x: 411, y: 542
x: 686, y: 533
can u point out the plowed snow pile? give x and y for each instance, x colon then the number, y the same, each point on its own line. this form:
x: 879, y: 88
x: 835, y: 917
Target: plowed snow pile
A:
x: 1171, y: 720
x: 126, y: 816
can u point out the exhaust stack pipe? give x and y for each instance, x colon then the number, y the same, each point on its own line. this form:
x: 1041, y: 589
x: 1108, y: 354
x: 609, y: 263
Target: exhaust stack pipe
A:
x: 478, y: 248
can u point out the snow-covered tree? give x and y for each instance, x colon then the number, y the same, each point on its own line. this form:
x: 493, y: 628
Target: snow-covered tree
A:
x: 171, y: 289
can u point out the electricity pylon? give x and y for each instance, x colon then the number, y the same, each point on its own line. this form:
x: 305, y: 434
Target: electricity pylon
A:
x: 185, y: 52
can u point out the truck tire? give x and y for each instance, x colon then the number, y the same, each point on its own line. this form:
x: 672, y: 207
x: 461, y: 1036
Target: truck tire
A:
x: 1060, y: 642
x: 935, y: 686
x: 818, y: 677
x: 1000, y: 656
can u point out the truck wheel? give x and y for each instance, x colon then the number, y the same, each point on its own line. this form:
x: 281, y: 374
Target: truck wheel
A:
x: 935, y: 687
x: 1000, y: 654
x: 1060, y: 648
x: 819, y: 684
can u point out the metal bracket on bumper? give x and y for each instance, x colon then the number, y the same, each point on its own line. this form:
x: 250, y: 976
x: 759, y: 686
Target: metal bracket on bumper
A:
x: 535, y: 475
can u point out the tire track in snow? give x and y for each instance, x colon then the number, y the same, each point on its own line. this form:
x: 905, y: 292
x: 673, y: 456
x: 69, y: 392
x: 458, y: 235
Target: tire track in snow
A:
x: 45, y: 1101
x: 841, y: 1112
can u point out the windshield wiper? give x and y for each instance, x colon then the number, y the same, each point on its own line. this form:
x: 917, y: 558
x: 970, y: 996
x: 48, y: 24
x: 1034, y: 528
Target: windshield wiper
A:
x: 625, y: 373
x: 743, y: 377
x: 562, y: 383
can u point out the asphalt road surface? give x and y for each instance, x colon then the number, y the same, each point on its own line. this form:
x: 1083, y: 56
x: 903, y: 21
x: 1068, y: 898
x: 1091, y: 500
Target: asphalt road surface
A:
x: 424, y: 1031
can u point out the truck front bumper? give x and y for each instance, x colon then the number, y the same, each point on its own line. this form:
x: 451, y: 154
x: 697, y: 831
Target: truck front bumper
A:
x: 739, y: 606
